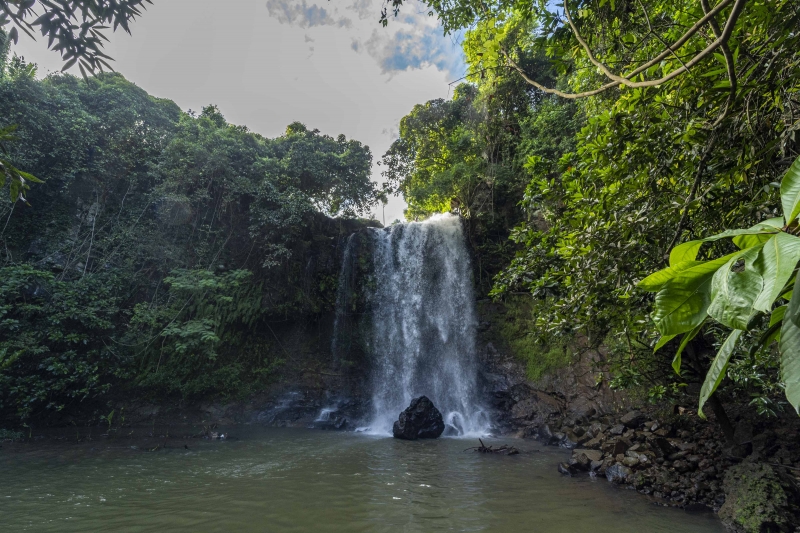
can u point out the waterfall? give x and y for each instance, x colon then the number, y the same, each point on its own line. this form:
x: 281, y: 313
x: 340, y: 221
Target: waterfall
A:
x: 343, y: 324
x: 423, y: 325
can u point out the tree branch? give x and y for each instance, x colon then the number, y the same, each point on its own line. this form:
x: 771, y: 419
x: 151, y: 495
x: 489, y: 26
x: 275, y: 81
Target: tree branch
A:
x: 721, y: 40
x: 698, y: 178
x: 729, y: 63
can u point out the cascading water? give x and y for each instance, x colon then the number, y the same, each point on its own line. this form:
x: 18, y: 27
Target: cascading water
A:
x: 423, y: 325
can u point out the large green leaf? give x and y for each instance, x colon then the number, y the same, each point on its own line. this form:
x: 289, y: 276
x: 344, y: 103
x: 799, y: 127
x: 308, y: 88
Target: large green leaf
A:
x: 656, y: 281
x: 678, y: 360
x: 733, y: 293
x: 662, y: 342
x: 683, y: 301
x: 773, y: 332
x: 777, y: 315
x: 790, y: 192
x: 767, y: 226
x: 684, y: 252
x: 718, y: 368
x: 688, y: 250
x: 790, y: 350
x: 775, y: 264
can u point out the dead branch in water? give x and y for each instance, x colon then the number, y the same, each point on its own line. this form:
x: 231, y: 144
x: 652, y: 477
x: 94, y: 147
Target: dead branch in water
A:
x: 505, y: 449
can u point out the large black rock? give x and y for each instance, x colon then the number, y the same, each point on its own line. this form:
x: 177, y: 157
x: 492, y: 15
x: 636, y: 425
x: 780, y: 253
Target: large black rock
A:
x: 422, y: 420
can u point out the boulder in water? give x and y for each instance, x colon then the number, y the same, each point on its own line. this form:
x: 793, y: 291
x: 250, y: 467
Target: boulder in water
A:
x: 421, y: 420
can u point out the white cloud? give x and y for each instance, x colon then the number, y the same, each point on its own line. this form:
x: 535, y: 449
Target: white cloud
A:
x: 412, y: 41
x: 304, y: 15
x: 365, y: 9
x: 415, y: 46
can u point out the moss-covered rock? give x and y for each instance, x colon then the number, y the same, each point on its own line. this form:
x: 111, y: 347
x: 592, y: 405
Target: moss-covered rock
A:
x: 756, y: 501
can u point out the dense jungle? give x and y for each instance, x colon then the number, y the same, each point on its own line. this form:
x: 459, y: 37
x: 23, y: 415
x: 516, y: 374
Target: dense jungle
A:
x: 626, y: 174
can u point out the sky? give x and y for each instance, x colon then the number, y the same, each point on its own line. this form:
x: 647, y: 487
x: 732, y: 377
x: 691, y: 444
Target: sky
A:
x: 268, y: 63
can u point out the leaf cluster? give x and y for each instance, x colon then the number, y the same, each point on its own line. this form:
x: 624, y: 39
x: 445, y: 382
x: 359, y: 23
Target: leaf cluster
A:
x: 74, y: 28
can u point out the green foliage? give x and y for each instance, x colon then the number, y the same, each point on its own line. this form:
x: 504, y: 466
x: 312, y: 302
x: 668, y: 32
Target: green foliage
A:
x: 172, y: 241
x: 654, y: 164
x: 436, y: 161
x: 198, y: 320
x: 737, y: 288
x: 541, y: 356
x: 7, y: 434
x: 74, y: 28
x: 17, y: 179
x: 78, y: 44
x: 56, y: 336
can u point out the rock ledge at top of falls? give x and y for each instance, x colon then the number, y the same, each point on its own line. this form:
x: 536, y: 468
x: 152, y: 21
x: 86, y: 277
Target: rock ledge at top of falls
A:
x: 421, y: 420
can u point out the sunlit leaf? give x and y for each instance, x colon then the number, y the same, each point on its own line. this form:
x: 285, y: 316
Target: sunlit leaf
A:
x: 790, y: 192
x: 734, y: 292
x: 683, y: 301
x: 775, y: 264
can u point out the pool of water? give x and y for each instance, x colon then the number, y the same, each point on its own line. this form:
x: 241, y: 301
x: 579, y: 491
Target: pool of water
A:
x: 296, y: 480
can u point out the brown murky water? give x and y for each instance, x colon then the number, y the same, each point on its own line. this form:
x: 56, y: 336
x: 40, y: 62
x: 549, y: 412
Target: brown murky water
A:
x: 294, y: 480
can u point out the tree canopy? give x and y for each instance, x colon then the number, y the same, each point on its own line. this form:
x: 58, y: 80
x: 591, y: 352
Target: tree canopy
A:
x: 158, y: 238
x: 645, y: 124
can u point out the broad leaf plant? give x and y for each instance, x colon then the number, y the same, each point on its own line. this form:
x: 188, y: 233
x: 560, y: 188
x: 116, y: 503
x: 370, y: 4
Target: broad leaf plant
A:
x: 735, y: 289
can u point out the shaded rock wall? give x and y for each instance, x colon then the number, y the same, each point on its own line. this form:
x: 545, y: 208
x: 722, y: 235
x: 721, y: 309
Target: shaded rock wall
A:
x: 525, y: 406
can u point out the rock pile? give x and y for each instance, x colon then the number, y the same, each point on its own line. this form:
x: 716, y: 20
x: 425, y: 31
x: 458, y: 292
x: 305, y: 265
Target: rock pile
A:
x: 683, y: 461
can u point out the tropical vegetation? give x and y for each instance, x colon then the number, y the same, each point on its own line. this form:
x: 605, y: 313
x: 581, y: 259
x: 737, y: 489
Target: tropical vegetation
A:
x: 158, y: 239
x: 635, y: 126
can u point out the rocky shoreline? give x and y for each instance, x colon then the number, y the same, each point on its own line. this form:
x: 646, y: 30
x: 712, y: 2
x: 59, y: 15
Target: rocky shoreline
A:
x: 752, y: 483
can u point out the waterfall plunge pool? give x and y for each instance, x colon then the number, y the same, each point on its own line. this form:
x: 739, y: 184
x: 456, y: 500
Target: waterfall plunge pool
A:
x: 298, y: 480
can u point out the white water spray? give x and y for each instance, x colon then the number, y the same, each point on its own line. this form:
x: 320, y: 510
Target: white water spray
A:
x: 423, y: 335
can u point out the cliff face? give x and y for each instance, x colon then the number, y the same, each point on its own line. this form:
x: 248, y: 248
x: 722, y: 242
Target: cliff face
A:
x: 530, y: 390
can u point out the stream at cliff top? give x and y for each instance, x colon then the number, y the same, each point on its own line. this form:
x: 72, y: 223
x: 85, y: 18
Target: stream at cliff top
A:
x: 297, y: 480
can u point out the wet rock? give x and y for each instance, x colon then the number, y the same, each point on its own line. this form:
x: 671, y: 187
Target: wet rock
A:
x: 421, y: 420
x: 579, y: 461
x: 739, y: 451
x: 698, y: 508
x: 633, y: 420
x: 566, y: 469
x: 571, y: 440
x: 619, y: 429
x: 662, y: 446
x: 597, y: 429
x: 584, y: 458
x: 620, y: 447
x: 755, y: 500
x: 531, y: 405
x: 618, y: 473
x: 594, y: 444
x: 630, y: 462
x: 763, y: 441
